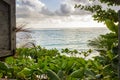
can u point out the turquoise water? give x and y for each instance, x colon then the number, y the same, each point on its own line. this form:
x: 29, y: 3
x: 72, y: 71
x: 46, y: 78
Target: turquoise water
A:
x: 63, y: 38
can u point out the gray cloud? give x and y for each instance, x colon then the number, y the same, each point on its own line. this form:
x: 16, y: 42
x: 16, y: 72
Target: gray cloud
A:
x: 23, y: 12
x: 46, y: 11
x: 34, y: 11
x: 28, y: 8
x: 25, y: 9
x: 65, y: 9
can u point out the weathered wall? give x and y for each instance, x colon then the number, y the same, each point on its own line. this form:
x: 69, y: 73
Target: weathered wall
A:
x: 7, y: 26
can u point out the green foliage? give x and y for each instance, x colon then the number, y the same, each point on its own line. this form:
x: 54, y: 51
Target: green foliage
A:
x: 107, y: 15
x: 52, y: 75
x: 107, y: 46
x: 50, y: 65
x: 100, y: 14
x: 104, y: 42
x: 78, y: 73
x: 3, y: 66
x: 38, y: 63
x: 110, y: 2
x: 111, y: 26
x: 24, y: 73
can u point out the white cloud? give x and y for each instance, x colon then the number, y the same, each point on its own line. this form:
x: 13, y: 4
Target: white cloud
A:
x: 37, y: 15
x: 29, y: 8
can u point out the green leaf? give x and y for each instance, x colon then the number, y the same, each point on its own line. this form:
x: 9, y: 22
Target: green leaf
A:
x: 90, y: 73
x: 9, y: 60
x: 25, y: 72
x: 60, y: 74
x: 78, y: 73
x: 3, y: 66
x: 1, y: 75
x: 69, y: 66
x: 52, y: 75
x: 64, y: 64
x: 110, y: 55
x: 82, y: 61
x: 110, y: 25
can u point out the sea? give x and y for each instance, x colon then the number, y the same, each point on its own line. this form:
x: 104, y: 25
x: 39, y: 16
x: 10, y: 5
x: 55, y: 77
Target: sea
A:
x: 61, y: 38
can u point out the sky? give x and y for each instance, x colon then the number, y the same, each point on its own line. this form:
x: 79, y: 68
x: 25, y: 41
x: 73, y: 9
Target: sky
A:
x: 54, y: 14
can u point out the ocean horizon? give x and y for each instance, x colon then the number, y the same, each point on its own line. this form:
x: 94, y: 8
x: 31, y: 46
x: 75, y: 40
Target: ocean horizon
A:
x: 60, y: 38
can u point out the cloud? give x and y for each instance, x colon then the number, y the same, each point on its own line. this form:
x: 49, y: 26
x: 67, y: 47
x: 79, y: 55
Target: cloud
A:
x: 46, y: 11
x: 35, y: 8
x: 28, y: 8
x: 37, y: 14
x: 66, y: 9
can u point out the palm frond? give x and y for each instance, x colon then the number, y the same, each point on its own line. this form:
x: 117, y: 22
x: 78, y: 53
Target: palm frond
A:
x: 20, y: 28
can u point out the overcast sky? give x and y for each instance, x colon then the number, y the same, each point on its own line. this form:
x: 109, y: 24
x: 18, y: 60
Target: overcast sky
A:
x: 54, y: 14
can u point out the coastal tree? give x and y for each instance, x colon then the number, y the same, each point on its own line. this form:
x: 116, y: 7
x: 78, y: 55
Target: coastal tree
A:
x: 109, y: 16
